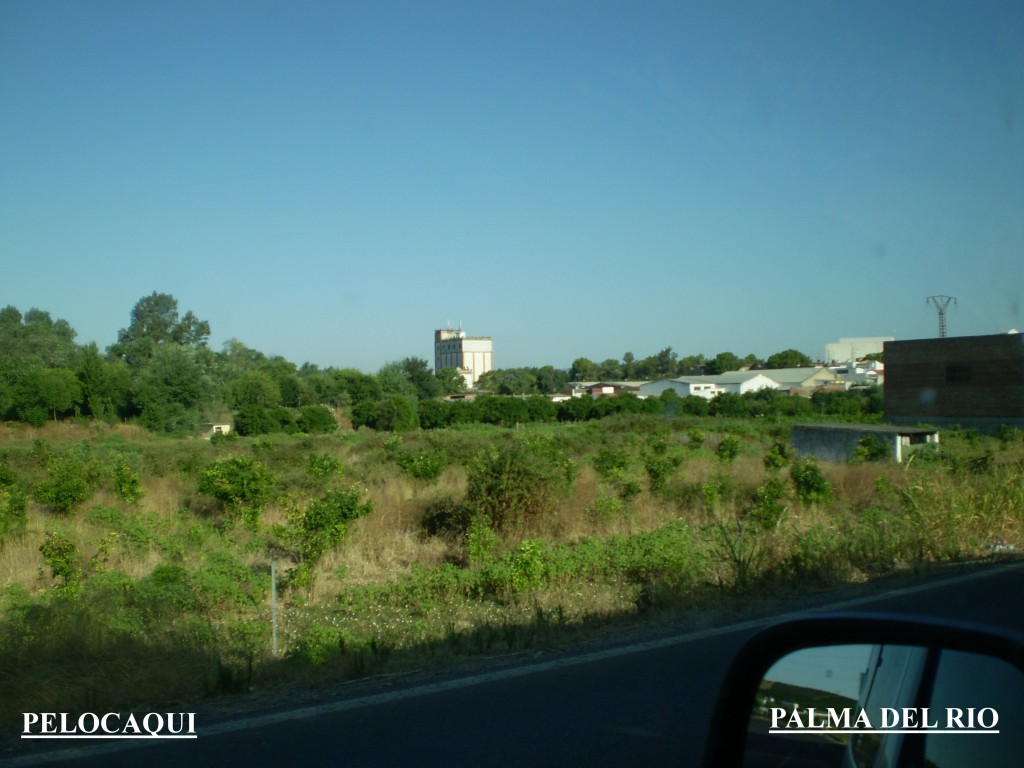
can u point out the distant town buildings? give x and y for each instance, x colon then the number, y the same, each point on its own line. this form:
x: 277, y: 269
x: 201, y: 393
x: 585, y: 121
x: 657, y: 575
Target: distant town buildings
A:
x: 972, y: 381
x: 471, y: 356
x: 794, y: 380
x: 851, y: 350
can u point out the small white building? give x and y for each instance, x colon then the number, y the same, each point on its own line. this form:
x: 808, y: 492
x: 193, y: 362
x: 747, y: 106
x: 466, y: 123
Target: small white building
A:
x: 736, y: 382
x: 471, y: 356
x: 209, y: 429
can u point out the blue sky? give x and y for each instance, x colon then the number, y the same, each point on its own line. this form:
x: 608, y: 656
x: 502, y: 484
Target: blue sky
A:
x: 330, y: 181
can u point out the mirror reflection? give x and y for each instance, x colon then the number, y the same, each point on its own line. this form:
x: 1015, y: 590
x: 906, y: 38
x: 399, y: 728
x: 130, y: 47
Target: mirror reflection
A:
x: 887, y: 706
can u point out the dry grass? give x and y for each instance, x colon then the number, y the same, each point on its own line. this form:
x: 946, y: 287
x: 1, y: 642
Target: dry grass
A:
x: 378, y: 550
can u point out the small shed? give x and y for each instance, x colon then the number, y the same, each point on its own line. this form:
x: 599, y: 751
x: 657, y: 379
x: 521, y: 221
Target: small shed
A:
x: 208, y: 430
x: 839, y: 442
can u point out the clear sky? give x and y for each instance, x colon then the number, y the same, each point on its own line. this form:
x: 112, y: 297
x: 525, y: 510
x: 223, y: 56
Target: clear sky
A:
x: 331, y: 181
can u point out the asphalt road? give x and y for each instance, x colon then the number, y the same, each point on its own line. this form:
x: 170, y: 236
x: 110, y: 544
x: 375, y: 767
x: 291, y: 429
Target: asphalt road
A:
x: 645, y: 704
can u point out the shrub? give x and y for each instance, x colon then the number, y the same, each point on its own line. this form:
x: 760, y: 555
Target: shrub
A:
x: 871, y: 448
x: 606, y: 508
x: 61, y: 555
x: 481, y: 541
x: 607, y: 461
x: 12, y: 505
x: 728, y: 449
x: 516, y: 480
x: 819, y: 556
x: 316, y: 419
x: 660, y: 463
x: 66, y: 486
x: 240, y: 482
x: 810, y: 483
x: 768, y: 509
x: 421, y: 465
x: 777, y: 457
x: 322, y: 524
x: 322, y: 465
x: 127, y: 480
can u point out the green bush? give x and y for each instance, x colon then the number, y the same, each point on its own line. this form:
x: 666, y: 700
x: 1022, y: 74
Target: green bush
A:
x: 608, y: 461
x: 810, y: 483
x: 728, y: 449
x: 481, y: 541
x: 606, y: 509
x: 769, y: 509
x: 659, y: 463
x: 871, y: 448
x: 447, y: 517
x: 12, y: 505
x: 421, y: 465
x: 127, y: 480
x: 316, y: 419
x: 777, y: 457
x: 517, y: 480
x: 239, y: 482
x: 67, y: 484
x: 819, y: 556
x: 61, y: 555
x: 322, y: 466
x: 321, y: 525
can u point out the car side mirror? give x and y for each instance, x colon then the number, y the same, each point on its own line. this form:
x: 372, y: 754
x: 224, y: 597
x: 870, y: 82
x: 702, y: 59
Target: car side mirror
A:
x: 862, y: 690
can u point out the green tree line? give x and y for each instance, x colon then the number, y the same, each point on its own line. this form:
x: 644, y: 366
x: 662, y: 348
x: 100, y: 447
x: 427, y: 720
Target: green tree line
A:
x: 162, y: 374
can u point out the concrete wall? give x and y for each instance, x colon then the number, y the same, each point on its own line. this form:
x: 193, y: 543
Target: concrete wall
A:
x: 830, y: 442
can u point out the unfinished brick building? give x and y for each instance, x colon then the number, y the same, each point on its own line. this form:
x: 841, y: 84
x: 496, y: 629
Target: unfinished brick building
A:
x: 974, y: 381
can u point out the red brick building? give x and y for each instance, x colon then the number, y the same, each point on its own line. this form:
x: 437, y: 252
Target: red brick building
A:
x: 973, y: 381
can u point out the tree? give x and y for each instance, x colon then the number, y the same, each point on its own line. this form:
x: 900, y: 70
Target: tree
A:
x: 316, y: 419
x: 583, y: 370
x: 723, y: 363
x: 450, y: 380
x: 394, y: 381
x: 418, y: 372
x: 627, y: 365
x: 38, y: 338
x: 253, y: 388
x: 788, y: 358
x: 338, y: 386
x: 155, y: 321
x: 550, y: 380
x: 106, y: 385
x: 396, y: 413
x: 170, y: 390
x: 691, y: 365
x: 610, y: 369
x: 665, y: 362
x: 57, y: 389
x: 294, y: 392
